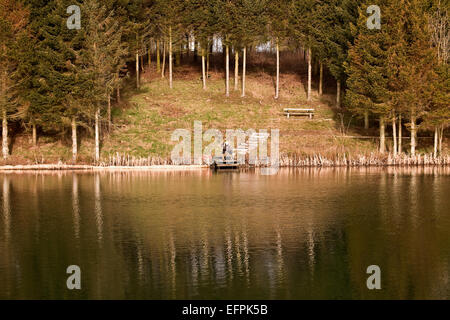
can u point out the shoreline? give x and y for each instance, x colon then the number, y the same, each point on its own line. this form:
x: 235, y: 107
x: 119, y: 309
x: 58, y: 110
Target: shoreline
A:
x: 68, y: 167
x: 174, y: 168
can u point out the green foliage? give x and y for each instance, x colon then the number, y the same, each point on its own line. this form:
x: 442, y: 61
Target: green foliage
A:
x: 51, y: 74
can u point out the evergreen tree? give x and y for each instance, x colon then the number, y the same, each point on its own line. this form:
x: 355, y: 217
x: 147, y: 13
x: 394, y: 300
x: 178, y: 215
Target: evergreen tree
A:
x: 99, y: 59
x: 201, y: 22
x: 414, y: 61
x: 47, y: 60
x: 13, y: 22
x: 278, y: 18
x: 368, y: 71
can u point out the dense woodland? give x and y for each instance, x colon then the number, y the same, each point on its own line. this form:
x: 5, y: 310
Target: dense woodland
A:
x: 56, y: 80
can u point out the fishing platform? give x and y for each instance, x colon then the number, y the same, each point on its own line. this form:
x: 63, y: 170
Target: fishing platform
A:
x: 224, y: 164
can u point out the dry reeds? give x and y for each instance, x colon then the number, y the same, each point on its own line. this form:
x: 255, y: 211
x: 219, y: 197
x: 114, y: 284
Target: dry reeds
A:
x: 298, y: 160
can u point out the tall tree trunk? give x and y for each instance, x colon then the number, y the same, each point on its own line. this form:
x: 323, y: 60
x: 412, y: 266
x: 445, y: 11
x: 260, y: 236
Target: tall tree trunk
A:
x: 277, y: 85
x: 338, y: 94
x: 195, y: 50
x: 366, y: 120
x: 137, y: 71
x: 203, y: 69
x: 413, y: 133
x: 236, y: 70
x: 227, y: 70
x: 441, y: 137
x: 5, y: 147
x: 178, y: 56
x: 394, y: 134
x: 244, y: 66
x: 74, y: 140
x: 149, y: 52
x: 142, y: 63
x: 207, y: 63
x: 163, y: 69
x: 321, y: 78
x: 34, y: 135
x: 158, y: 57
x: 118, y: 94
x: 309, y: 74
x: 97, y: 136
x: 436, y: 141
x: 109, y: 113
x: 187, y: 47
x: 170, y: 59
x: 382, y: 136
x: 400, y: 137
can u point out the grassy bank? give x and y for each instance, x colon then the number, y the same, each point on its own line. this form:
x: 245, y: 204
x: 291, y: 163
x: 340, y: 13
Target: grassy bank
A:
x: 145, y: 120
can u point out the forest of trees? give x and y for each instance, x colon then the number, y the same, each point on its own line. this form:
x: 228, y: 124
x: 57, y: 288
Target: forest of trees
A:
x: 58, y: 80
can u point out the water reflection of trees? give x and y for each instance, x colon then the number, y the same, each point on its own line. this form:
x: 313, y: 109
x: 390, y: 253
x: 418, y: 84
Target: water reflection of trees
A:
x: 305, y: 233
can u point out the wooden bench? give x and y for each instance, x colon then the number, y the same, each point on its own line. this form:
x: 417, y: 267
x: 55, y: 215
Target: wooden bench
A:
x: 298, y: 112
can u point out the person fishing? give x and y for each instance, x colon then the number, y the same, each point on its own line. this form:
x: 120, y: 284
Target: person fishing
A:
x: 227, y: 151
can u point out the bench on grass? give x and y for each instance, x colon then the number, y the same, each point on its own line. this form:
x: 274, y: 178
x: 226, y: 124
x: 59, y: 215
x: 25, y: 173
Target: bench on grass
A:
x: 299, y: 112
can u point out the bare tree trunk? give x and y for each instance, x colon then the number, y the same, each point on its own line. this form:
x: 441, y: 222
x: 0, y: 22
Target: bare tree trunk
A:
x: 400, y: 138
x: 178, y: 56
x: 97, y: 136
x: 441, y: 137
x: 5, y: 146
x: 170, y: 59
x: 382, y: 136
x: 277, y: 86
x: 163, y: 69
x: 436, y: 141
x: 227, y: 70
x: 321, y: 79
x: 203, y: 69
x: 244, y: 65
x: 366, y: 119
x: 109, y: 113
x: 309, y: 74
x: 34, y: 134
x: 195, y: 50
x: 413, y: 133
x: 142, y: 63
x: 394, y: 135
x: 149, y: 52
x: 207, y: 63
x: 236, y: 70
x: 137, y: 71
x: 158, y: 57
x: 338, y: 94
x: 188, y: 48
x: 74, y: 140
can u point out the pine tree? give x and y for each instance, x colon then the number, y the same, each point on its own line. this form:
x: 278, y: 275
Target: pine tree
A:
x: 168, y: 16
x: 439, y: 113
x: 13, y: 21
x: 99, y: 59
x: 248, y: 26
x: 330, y: 24
x: 414, y: 62
x: 201, y: 22
x: 278, y: 27
x: 368, y: 72
x: 47, y: 69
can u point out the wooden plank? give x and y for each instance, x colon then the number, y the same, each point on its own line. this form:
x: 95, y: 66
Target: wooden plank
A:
x: 299, y: 109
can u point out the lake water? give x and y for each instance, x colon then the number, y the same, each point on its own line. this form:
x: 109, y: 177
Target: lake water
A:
x: 301, y: 234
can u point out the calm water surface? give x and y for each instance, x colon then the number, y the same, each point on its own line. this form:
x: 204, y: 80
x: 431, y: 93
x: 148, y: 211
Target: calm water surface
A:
x: 301, y: 234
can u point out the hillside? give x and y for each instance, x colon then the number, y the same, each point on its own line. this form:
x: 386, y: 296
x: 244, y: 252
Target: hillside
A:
x: 146, y: 118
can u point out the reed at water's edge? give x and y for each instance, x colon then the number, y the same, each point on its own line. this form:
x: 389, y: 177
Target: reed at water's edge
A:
x: 293, y: 160
x: 298, y: 160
